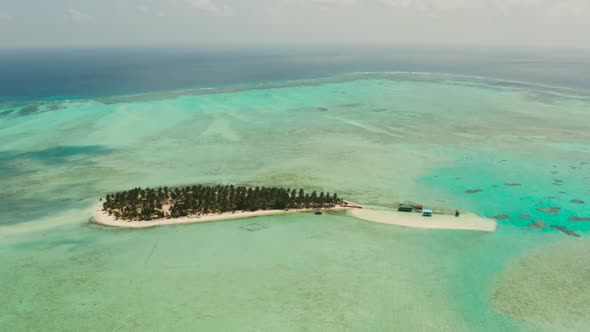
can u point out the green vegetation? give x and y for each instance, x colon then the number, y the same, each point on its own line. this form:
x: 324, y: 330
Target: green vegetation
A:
x: 148, y: 204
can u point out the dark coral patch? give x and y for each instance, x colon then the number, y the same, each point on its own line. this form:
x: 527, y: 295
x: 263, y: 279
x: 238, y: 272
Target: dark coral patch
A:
x: 6, y: 113
x: 551, y: 197
x: 473, y: 191
x: 538, y: 224
x: 557, y: 180
x: 350, y: 105
x: 512, y: 184
x: 28, y: 110
x: 554, y: 210
x: 565, y: 230
x: 556, y: 184
x: 55, y: 107
x: 525, y: 216
x: 577, y: 201
x: 574, y: 219
x: 502, y: 217
x: 554, y: 172
x: 562, y: 192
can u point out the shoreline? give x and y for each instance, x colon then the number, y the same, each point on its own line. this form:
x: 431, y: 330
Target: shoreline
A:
x: 467, y: 221
x: 102, y: 218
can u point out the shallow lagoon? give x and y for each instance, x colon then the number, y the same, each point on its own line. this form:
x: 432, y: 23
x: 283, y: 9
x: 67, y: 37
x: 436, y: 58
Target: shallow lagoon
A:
x: 373, y: 138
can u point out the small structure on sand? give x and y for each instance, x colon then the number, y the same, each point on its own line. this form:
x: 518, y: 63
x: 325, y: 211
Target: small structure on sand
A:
x: 427, y: 213
x: 405, y: 208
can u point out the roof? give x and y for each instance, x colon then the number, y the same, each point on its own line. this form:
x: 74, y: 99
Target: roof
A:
x: 406, y: 205
x: 426, y: 211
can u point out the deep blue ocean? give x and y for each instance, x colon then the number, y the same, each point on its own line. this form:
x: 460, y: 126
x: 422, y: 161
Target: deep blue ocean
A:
x: 27, y: 74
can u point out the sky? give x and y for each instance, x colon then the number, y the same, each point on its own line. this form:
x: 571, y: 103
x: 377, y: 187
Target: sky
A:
x: 55, y: 23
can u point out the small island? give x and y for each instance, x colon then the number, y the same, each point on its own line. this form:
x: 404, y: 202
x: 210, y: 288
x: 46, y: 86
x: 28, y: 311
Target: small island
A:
x: 147, y: 207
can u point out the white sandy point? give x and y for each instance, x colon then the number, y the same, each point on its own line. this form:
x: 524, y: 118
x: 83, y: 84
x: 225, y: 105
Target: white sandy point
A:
x: 466, y: 221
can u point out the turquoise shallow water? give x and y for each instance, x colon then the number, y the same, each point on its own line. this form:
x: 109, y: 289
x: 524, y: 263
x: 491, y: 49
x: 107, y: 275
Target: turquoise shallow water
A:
x: 373, y: 138
x: 300, y: 273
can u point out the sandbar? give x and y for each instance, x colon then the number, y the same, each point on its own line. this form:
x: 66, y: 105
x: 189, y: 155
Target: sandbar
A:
x: 466, y: 221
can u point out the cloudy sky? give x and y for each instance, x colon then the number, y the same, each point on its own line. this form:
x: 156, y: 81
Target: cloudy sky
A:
x: 547, y: 23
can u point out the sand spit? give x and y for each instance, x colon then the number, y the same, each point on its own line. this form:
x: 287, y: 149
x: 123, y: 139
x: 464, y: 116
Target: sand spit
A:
x: 102, y: 218
x: 467, y: 221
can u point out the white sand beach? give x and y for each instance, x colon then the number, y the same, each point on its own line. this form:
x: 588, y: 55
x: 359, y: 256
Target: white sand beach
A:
x: 466, y: 221
x: 102, y: 218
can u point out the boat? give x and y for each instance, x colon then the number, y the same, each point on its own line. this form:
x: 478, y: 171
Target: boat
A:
x: 317, y: 212
x: 405, y: 208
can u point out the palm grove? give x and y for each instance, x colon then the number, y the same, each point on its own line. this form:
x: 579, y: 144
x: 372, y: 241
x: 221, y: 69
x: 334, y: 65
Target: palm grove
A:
x: 149, y: 204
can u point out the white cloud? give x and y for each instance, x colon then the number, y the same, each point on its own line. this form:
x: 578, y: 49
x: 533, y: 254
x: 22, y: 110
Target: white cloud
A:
x: 322, y: 3
x: 434, y: 6
x: 574, y: 8
x: 77, y: 16
x: 334, y: 2
x: 205, y: 6
x: 143, y: 8
x: 551, y: 23
x: 146, y: 10
x: 490, y: 7
x: 4, y: 16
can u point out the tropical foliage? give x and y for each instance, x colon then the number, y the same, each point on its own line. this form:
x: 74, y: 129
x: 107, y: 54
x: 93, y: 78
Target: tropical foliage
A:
x: 148, y: 204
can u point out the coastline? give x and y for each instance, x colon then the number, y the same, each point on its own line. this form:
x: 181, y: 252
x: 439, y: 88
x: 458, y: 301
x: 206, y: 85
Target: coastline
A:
x: 102, y: 218
x: 467, y: 221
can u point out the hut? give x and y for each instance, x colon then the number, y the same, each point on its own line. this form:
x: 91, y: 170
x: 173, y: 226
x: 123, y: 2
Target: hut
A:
x: 427, y: 213
x: 405, y: 208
